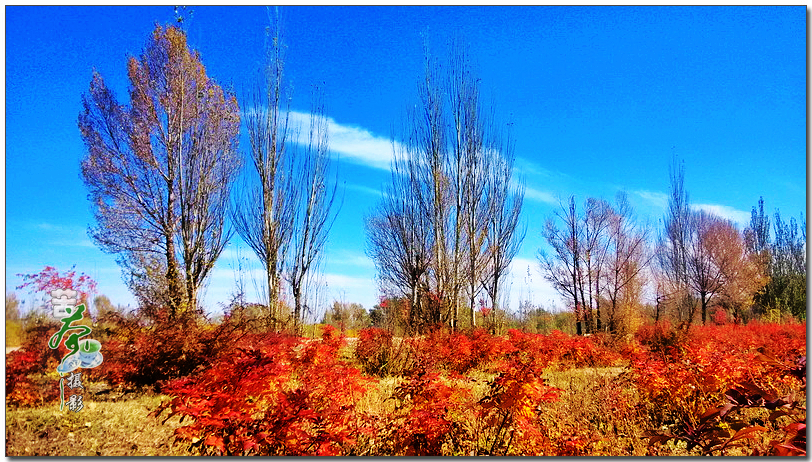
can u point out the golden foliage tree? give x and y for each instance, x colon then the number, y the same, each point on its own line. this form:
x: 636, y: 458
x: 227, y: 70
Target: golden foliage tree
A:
x: 159, y: 169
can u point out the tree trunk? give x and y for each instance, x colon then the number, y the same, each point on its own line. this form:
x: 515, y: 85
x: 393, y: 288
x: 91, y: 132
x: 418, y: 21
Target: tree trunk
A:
x: 703, y: 296
x: 172, y: 278
x: 597, y: 305
x: 269, y: 272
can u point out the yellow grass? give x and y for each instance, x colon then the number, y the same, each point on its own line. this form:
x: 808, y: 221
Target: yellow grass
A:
x: 101, y: 428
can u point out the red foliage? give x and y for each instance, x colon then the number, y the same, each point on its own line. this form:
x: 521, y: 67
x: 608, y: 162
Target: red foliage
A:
x: 278, y: 396
x: 511, y: 409
x: 564, y: 350
x: 375, y: 350
x: 422, y: 423
x: 21, y: 390
x: 26, y: 368
x: 722, y: 428
x: 683, y: 373
x: 137, y: 356
x: 281, y: 395
x: 50, y: 279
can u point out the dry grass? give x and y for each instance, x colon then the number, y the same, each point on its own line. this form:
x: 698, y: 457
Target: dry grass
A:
x: 596, y: 405
x: 106, y: 428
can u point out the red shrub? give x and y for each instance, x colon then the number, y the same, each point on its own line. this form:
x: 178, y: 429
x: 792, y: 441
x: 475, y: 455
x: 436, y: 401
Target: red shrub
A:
x: 26, y: 368
x: 138, y: 356
x: 684, y: 373
x: 282, y: 396
x: 378, y: 354
x: 509, y: 413
x: 422, y: 424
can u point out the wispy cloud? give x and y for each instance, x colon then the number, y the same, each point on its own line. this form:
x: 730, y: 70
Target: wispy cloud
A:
x: 660, y: 200
x: 352, y: 259
x: 729, y: 213
x: 59, y: 235
x: 654, y: 198
x: 365, y: 190
x: 86, y: 243
x: 540, y: 196
x: 528, y: 167
x: 354, y: 144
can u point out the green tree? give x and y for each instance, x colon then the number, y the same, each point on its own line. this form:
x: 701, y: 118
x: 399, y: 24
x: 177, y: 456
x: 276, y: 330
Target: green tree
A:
x: 788, y: 268
x: 781, y: 261
x: 347, y: 316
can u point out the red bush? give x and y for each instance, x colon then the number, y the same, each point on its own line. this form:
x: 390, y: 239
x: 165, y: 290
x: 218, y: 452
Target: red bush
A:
x: 422, y: 424
x: 26, y: 368
x: 375, y: 350
x: 682, y: 374
x: 510, y: 410
x: 282, y: 396
x: 138, y: 356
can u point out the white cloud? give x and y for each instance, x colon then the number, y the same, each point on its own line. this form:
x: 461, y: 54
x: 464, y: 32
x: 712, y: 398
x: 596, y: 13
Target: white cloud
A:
x: 540, y: 196
x: 354, y: 144
x: 351, y: 259
x: 71, y: 243
x: 656, y: 199
x: 365, y: 190
x: 660, y: 200
x: 729, y: 213
x: 526, y: 166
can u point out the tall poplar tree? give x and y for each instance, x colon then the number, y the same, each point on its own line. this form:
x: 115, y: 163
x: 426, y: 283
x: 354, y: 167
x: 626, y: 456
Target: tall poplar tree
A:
x: 159, y: 169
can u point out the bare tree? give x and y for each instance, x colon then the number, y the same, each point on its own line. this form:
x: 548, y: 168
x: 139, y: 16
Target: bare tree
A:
x: 440, y: 184
x: 580, y: 250
x: 438, y: 162
x: 264, y: 212
x: 672, y: 251
x: 708, y: 256
x: 475, y: 152
x: 594, y: 248
x: 314, y: 209
x: 627, y: 258
x: 399, y: 235
x: 503, y: 236
x: 159, y: 169
x: 564, y: 268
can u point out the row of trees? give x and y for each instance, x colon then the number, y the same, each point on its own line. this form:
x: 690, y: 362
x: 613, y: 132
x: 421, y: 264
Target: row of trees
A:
x: 703, y: 260
x: 603, y: 260
x: 160, y: 171
x: 166, y: 179
x: 446, y: 230
x: 597, y: 260
x: 781, y: 259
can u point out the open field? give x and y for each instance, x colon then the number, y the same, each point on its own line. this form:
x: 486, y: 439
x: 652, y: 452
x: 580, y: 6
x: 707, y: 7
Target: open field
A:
x: 443, y: 394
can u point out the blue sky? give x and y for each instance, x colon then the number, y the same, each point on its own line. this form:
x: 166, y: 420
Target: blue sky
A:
x: 600, y: 99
